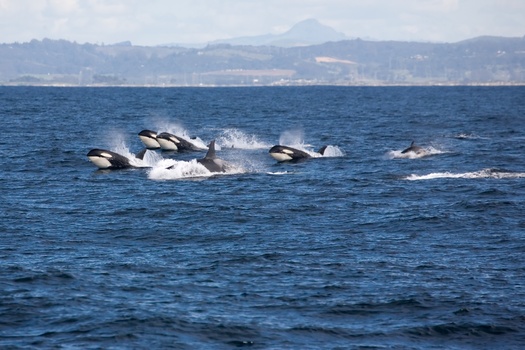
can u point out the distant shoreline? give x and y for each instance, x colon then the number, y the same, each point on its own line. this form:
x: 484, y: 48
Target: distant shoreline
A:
x: 495, y: 84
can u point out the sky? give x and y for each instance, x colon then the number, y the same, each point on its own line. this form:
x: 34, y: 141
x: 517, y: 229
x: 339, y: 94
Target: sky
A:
x: 157, y: 22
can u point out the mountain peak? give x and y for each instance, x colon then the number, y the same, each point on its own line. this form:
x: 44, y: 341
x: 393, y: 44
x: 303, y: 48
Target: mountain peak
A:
x: 312, y: 32
x: 311, y: 25
x: 304, y: 33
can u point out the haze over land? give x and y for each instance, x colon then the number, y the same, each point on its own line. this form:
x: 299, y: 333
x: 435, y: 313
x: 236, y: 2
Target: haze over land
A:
x: 157, y: 22
x: 208, y: 43
x: 305, y: 58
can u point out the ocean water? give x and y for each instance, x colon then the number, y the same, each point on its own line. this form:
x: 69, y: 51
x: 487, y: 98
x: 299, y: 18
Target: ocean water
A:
x: 363, y: 248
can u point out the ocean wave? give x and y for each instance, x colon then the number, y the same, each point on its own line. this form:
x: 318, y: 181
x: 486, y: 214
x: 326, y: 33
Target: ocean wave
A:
x: 466, y: 136
x: 462, y: 330
x: 482, y: 174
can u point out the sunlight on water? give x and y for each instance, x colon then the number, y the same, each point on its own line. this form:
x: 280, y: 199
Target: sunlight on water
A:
x: 482, y: 174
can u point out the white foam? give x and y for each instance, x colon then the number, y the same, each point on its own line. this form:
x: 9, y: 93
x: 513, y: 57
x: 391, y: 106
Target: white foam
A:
x: 150, y: 159
x: 424, y: 152
x: 235, y: 138
x: 333, y: 151
x: 292, y: 138
x: 278, y: 173
x: 465, y: 136
x: 482, y: 174
x: 170, y: 169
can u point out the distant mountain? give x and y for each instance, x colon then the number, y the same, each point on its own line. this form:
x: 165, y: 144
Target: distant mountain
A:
x: 304, y: 33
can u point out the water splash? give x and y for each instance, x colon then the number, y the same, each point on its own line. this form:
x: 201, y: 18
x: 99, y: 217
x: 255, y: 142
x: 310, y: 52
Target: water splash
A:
x: 179, y: 130
x: 170, y: 169
x: 482, y: 174
x: 293, y: 138
x: 333, y: 151
x: 235, y: 138
x: 425, y: 152
x: 467, y: 136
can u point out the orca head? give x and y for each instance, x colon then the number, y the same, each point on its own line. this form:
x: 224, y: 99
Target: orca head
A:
x: 105, y: 159
x: 285, y: 153
x: 168, y: 142
x: 149, y: 139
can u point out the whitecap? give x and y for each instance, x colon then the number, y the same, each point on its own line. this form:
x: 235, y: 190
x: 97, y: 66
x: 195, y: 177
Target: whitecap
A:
x: 482, y: 174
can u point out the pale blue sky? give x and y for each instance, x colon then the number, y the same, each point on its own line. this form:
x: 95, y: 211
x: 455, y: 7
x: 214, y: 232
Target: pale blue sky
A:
x: 155, y: 22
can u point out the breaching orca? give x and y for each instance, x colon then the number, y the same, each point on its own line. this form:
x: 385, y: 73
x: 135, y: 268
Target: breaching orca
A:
x: 105, y: 159
x: 285, y: 153
x: 170, y: 142
x: 149, y: 139
x: 413, y: 148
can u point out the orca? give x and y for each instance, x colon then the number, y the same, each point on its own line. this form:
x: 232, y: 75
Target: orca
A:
x: 149, y: 139
x: 210, y: 161
x: 285, y: 153
x: 170, y: 142
x: 413, y: 148
x: 105, y: 159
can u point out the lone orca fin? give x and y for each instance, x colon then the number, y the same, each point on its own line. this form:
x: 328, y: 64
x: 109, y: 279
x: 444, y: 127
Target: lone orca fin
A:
x: 211, y: 151
x: 322, y: 149
x: 141, y: 154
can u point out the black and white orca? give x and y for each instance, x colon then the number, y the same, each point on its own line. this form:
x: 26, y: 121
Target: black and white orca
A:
x: 170, y: 142
x: 413, y: 148
x: 285, y: 153
x: 210, y: 161
x: 105, y: 159
x: 149, y: 139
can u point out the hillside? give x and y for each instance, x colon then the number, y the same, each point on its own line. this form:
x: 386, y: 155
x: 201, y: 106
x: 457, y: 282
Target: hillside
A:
x: 483, y: 60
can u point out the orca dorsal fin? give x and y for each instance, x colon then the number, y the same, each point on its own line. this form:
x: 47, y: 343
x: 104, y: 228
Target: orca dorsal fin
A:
x: 211, y: 151
x: 141, y: 154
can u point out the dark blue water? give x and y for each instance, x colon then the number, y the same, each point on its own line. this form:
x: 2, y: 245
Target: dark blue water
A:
x: 367, y: 248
